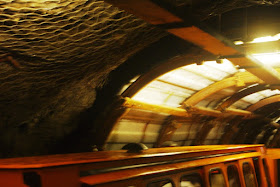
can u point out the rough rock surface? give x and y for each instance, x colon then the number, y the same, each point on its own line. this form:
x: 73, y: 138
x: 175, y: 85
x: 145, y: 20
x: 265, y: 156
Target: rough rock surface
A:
x: 52, y: 57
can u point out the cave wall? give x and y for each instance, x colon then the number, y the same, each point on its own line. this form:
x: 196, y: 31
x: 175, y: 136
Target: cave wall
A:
x: 53, y: 56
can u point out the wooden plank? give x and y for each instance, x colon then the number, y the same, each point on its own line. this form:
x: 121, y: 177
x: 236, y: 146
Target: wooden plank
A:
x: 204, y: 40
x: 261, y: 103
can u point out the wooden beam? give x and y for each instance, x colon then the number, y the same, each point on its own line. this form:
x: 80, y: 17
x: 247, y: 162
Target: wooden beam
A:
x: 187, y: 28
x: 166, y: 132
x: 130, y: 103
x: 207, y: 127
x: 201, y: 134
x: 230, y: 131
x: 244, y: 77
x: 188, y: 112
x: 238, y: 112
x: 266, y: 101
x: 204, y: 111
x: 239, y: 95
x: 206, y: 41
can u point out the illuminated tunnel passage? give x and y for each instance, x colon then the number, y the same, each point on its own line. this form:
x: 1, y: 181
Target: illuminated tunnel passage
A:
x: 87, y: 75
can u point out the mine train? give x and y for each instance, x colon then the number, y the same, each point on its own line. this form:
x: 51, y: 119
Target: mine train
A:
x: 191, y: 166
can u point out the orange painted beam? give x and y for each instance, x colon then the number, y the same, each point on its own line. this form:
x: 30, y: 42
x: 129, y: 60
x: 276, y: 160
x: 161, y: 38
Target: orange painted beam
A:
x: 192, y: 31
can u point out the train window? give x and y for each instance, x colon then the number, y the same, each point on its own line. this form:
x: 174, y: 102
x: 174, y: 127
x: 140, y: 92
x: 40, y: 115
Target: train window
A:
x: 191, y: 180
x: 257, y: 170
x: 216, y: 178
x: 162, y: 183
x: 248, y: 174
x: 233, y: 177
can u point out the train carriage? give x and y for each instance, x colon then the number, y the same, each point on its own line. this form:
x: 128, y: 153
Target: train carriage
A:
x: 189, y: 166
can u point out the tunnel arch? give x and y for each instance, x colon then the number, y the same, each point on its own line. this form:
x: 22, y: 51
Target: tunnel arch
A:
x: 63, y: 73
x: 170, y: 125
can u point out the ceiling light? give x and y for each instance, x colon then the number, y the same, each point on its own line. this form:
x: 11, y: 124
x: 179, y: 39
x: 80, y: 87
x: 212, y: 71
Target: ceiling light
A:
x: 264, y: 39
x: 239, y: 42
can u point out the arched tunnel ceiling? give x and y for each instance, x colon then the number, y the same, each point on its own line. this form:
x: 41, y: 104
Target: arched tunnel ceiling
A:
x: 64, y: 62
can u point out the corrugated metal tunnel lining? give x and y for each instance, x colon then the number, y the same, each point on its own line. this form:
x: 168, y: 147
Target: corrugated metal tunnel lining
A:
x: 173, y: 89
x: 54, y: 55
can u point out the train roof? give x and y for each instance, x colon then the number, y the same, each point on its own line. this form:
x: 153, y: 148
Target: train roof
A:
x: 103, y: 157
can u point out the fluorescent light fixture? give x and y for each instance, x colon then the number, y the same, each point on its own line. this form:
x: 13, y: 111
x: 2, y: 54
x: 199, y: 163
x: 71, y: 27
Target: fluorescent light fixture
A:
x: 238, y: 42
x: 266, y: 39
